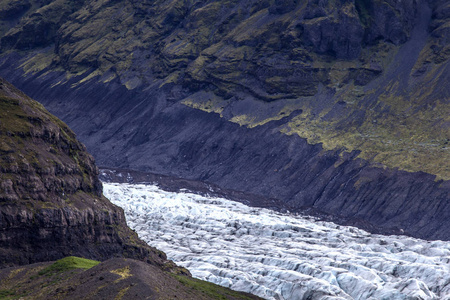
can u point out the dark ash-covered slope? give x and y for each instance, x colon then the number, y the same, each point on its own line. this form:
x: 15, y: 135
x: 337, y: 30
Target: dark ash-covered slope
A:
x: 340, y: 106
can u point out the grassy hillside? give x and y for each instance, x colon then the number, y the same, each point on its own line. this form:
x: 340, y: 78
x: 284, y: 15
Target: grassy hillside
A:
x: 79, y: 278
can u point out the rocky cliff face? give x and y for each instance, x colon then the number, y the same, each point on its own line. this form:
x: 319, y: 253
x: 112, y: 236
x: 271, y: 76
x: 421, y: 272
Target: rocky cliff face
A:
x: 342, y: 106
x: 51, y: 202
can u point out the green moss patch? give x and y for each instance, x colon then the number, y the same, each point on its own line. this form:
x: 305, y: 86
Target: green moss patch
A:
x: 210, y: 289
x: 68, y: 263
x: 7, y: 294
x: 12, y: 116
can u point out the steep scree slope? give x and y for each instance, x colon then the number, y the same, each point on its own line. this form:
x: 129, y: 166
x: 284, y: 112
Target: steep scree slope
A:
x: 319, y: 104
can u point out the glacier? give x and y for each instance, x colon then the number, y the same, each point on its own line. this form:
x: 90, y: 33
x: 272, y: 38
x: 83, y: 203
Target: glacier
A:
x: 282, y: 256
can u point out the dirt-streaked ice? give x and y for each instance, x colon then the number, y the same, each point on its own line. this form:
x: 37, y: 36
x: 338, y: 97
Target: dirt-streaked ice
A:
x: 280, y: 256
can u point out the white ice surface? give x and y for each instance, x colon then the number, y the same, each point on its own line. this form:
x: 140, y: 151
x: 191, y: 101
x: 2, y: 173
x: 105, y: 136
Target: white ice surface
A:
x: 278, y: 256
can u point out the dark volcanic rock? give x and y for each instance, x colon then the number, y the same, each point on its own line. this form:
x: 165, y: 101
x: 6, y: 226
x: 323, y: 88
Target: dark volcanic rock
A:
x: 287, y: 172
x: 339, y: 33
x: 388, y: 20
x: 51, y: 202
x: 15, y: 9
x: 299, y: 176
x: 40, y: 27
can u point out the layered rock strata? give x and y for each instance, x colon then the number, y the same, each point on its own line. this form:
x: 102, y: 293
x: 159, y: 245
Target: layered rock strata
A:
x: 51, y: 202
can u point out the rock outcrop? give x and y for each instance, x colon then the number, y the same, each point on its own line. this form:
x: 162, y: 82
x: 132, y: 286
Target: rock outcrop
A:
x: 337, y: 106
x: 51, y: 202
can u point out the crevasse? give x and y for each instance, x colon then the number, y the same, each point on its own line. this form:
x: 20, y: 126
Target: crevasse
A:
x: 281, y: 256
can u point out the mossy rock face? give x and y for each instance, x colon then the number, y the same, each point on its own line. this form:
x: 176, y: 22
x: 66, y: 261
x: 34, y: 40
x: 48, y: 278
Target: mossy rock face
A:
x: 51, y: 202
x: 38, y: 22
x: 334, y: 52
x: 41, y: 157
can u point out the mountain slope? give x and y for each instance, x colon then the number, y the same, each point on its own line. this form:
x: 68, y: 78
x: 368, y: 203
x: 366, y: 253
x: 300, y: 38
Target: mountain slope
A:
x: 116, y: 278
x: 312, y: 103
x: 51, y: 202
x: 52, y: 206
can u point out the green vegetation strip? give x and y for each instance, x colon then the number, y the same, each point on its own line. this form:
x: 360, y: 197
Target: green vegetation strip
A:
x: 6, y: 294
x: 69, y: 263
x: 210, y: 289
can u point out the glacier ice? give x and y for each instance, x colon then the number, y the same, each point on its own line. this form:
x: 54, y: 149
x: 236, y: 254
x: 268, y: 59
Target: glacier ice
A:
x: 281, y: 256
